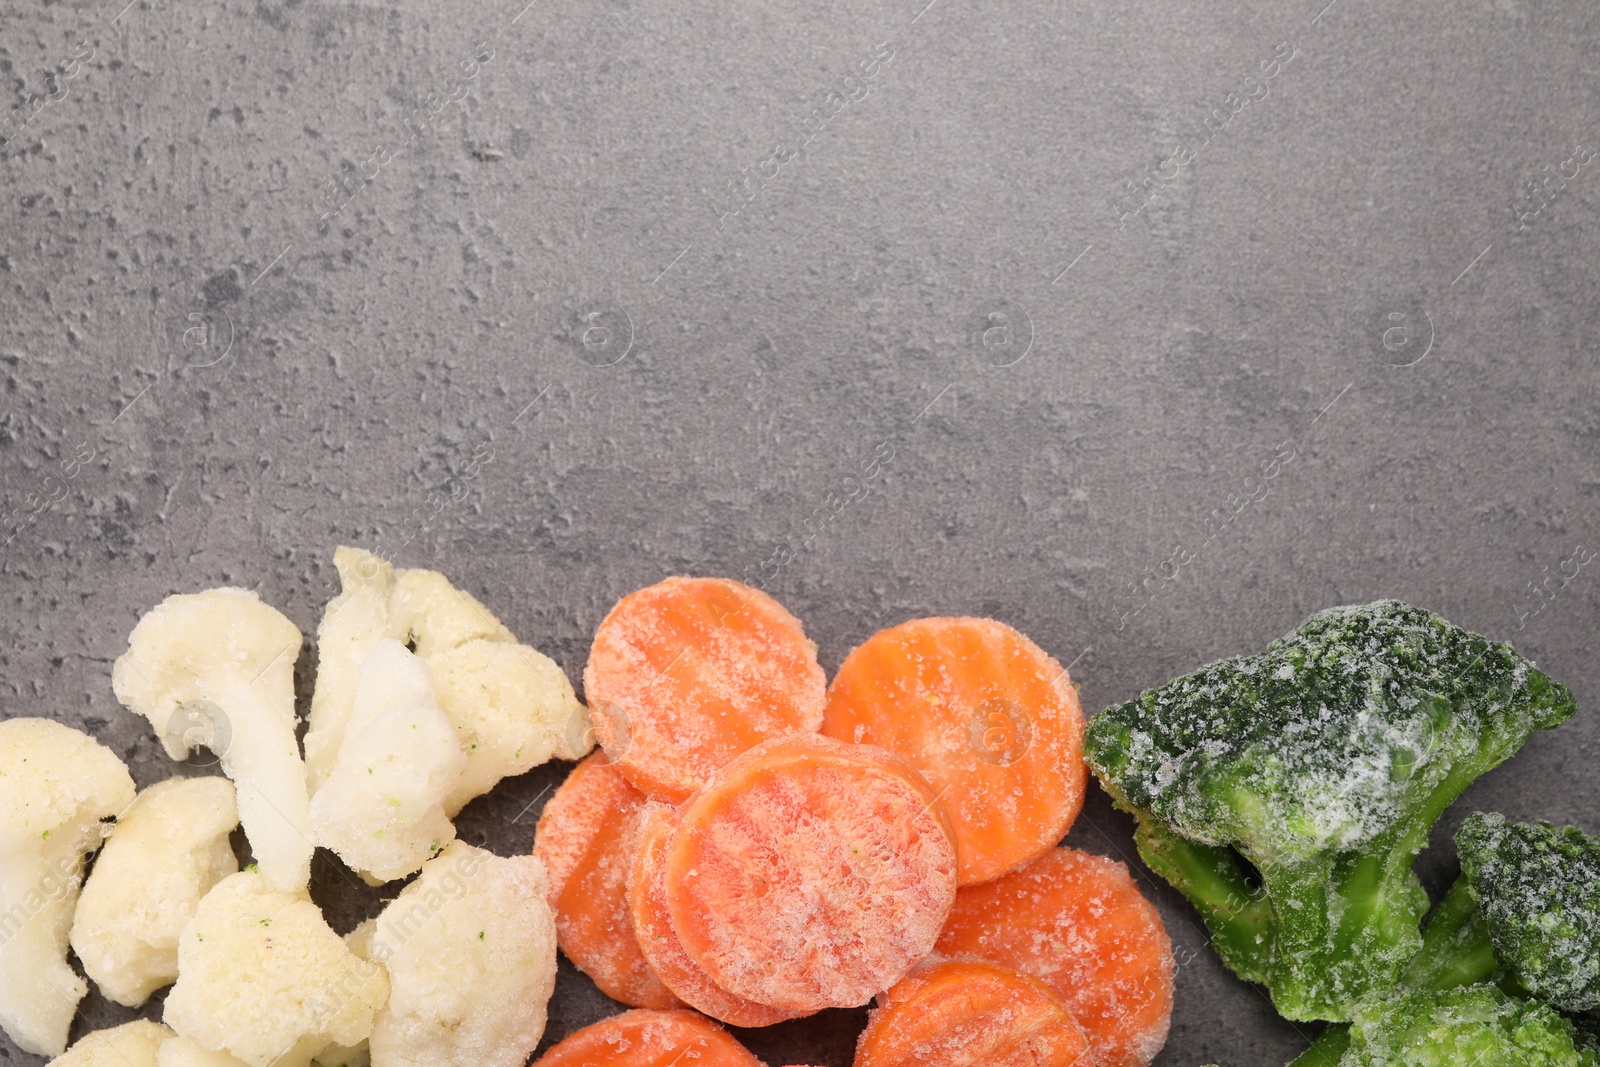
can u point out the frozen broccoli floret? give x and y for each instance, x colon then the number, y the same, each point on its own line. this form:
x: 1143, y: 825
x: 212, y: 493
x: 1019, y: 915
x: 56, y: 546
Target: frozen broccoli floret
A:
x: 1286, y: 794
x: 1538, y: 880
x: 1539, y: 888
x: 1476, y: 1026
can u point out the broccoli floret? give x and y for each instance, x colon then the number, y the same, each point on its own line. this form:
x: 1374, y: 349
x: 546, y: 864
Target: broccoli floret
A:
x: 1537, y: 881
x: 1477, y: 1025
x: 1539, y: 889
x: 1286, y: 794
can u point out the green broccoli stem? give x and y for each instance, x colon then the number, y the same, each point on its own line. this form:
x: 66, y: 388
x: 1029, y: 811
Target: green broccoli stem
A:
x: 1238, y: 915
x: 1325, y: 970
x: 1456, y: 949
x: 1345, y: 925
x: 1327, y: 1049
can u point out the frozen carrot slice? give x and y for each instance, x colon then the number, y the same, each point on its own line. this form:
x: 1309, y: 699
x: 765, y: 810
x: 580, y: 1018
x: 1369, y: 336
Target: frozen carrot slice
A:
x: 810, y: 874
x: 971, y: 1014
x: 587, y: 837
x: 1078, y: 923
x: 655, y: 936
x: 645, y: 1038
x: 990, y: 720
x: 688, y: 673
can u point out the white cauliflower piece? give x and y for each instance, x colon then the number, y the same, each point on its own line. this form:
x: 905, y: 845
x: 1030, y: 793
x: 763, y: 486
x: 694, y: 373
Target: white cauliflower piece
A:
x: 165, y: 853
x: 382, y: 808
x: 505, y: 725
x: 358, y: 941
x: 486, y: 687
x: 185, y: 1052
x: 129, y: 1045
x: 262, y: 977
x: 56, y: 785
x: 470, y: 947
x: 217, y: 668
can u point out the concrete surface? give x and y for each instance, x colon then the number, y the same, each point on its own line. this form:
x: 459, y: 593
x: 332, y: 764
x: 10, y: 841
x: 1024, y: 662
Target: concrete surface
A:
x: 565, y: 297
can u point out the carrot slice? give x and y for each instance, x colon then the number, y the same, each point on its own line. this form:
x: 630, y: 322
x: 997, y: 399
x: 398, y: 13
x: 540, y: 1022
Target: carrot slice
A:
x: 656, y: 938
x: 587, y: 836
x: 649, y: 1039
x: 964, y: 1014
x: 1079, y: 924
x: 989, y: 718
x: 810, y: 874
x: 688, y: 673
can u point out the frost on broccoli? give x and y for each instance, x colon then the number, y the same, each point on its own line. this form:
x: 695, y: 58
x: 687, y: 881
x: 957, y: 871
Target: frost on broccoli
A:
x: 1286, y: 794
x: 1477, y: 1025
x: 1538, y: 886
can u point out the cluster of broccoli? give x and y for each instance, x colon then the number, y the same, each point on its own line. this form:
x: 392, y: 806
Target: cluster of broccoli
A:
x: 1287, y: 794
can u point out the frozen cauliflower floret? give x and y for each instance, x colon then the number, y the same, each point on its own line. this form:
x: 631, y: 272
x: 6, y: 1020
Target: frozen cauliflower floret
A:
x: 184, y: 1052
x: 470, y: 947
x: 165, y: 853
x: 262, y: 977
x: 129, y: 1045
x: 484, y: 687
x: 56, y: 785
x: 505, y: 724
x: 217, y: 668
x: 382, y: 808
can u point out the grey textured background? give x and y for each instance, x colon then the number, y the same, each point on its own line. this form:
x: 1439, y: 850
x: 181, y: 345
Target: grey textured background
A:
x: 538, y: 349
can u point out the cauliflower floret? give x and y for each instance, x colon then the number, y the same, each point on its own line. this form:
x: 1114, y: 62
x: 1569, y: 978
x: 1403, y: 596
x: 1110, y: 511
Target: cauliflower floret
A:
x: 185, y: 1052
x: 56, y: 785
x: 436, y: 614
x: 382, y: 808
x: 217, y: 668
x: 470, y: 947
x: 263, y: 978
x: 486, y: 688
x: 129, y: 1045
x: 505, y: 723
x: 167, y: 851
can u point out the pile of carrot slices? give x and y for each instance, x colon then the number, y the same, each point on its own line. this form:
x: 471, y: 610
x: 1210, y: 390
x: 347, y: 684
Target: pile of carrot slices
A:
x: 750, y: 845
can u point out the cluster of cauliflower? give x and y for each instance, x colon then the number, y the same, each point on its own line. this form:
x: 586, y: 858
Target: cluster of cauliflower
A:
x: 423, y: 700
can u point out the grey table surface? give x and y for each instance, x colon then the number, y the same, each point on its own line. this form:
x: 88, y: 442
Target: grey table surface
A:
x: 562, y: 297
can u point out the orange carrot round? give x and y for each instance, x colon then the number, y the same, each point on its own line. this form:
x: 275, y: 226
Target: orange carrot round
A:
x: 688, y: 673
x: 810, y: 874
x: 989, y: 718
x: 655, y: 937
x: 646, y: 1038
x: 1079, y: 924
x: 587, y: 836
x: 961, y: 1013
